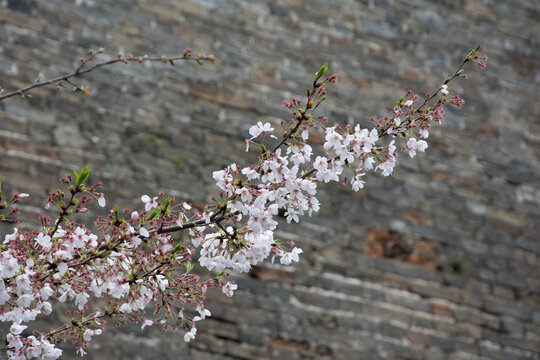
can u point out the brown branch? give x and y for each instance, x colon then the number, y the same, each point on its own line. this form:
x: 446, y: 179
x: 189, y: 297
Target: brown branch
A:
x: 80, y: 70
x: 216, y: 217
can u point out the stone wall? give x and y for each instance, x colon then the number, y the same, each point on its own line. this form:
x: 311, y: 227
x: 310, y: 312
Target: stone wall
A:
x: 439, y: 261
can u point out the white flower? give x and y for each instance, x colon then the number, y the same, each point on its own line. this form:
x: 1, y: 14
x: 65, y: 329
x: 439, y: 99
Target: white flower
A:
x: 125, y: 308
x: 13, y: 236
x: 146, y: 323
x: 44, y: 241
x: 33, y: 348
x: 25, y: 300
x: 408, y: 103
x: 368, y: 163
x: 62, y: 268
x: 387, y: 167
x: 101, y: 200
x: 14, y: 341
x: 228, y: 288
x: 81, y: 351
x: 288, y: 257
x: 46, y: 292
x: 424, y: 133
x: 81, y: 299
x: 8, y: 265
x: 4, y: 295
x: 250, y: 173
x: 203, y: 312
x: 49, y: 351
x: 144, y: 232
x: 321, y: 163
x: 333, y: 139
x: 413, y: 144
x: 244, y: 193
x: 45, y: 307
x: 16, y: 329
x: 257, y: 130
x: 444, y: 89
x: 357, y: 183
x: 190, y: 334
x: 24, y: 285
x: 88, y: 333
x: 150, y: 203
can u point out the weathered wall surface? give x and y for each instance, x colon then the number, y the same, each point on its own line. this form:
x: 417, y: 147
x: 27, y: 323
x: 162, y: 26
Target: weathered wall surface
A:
x: 439, y: 261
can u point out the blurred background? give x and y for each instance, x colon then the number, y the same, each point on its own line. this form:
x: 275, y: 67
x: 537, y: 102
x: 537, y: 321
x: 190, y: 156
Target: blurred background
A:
x: 439, y: 261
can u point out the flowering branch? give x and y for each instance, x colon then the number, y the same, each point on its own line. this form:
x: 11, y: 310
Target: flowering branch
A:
x: 135, y: 260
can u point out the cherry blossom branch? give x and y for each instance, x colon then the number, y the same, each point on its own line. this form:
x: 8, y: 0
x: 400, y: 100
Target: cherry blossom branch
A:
x: 135, y: 264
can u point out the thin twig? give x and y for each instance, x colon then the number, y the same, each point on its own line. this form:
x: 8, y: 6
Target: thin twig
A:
x: 125, y: 59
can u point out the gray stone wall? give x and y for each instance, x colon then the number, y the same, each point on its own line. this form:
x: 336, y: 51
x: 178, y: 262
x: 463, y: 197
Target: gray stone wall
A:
x: 439, y: 261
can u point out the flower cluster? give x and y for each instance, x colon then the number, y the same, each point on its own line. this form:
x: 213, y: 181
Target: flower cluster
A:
x: 134, y: 260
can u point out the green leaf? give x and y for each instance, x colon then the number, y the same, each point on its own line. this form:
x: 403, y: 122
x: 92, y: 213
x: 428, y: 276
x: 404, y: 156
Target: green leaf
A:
x: 83, y: 175
x: 167, y: 203
x: 76, y: 176
x: 321, y: 71
x: 178, y: 247
x: 153, y: 214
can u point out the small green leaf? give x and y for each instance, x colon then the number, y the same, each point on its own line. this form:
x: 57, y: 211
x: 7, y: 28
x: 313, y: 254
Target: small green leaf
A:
x: 83, y: 176
x: 177, y: 161
x: 76, y: 175
x: 321, y: 71
x: 178, y: 247
x: 153, y: 214
x: 167, y: 203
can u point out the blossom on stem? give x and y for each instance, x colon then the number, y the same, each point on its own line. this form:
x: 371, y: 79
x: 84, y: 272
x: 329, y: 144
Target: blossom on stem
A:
x: 444, y: 89
x: 228, y: 288
x: 190, y: 335
x: 413, y: 144
x: 260, y: 128
x: 149, y: 202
